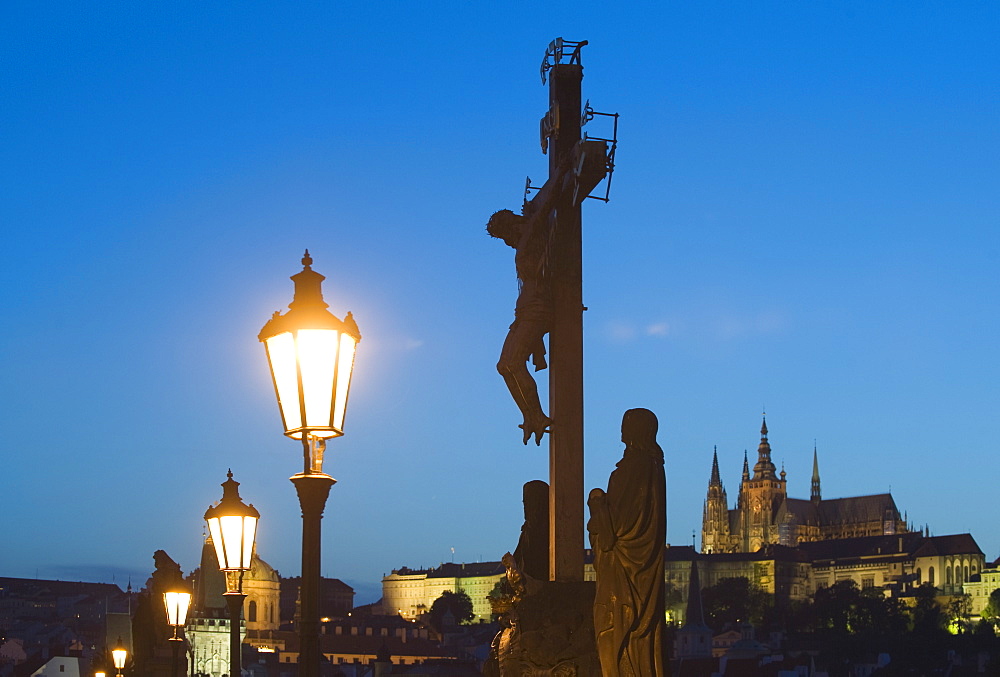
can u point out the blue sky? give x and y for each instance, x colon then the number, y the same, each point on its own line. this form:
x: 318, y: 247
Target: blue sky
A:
x: 803, y: 217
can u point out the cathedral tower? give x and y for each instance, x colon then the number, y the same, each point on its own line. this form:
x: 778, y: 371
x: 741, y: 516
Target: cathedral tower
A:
x: 715, y: 515
x: 763, y: 494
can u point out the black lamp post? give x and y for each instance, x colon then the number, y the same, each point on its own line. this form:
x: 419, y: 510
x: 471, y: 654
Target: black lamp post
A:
x: 176, y: 601
x: 311, y: 356
x: 233, y: 527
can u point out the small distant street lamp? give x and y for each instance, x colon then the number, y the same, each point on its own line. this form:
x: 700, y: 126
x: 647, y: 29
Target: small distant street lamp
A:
x: 100, y: 674
x: 176, y: 601
x: 233, y: 527
x: 311, y: 356
x: 118, y: 655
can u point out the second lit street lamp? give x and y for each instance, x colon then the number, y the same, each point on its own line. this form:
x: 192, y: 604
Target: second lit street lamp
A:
x: 177, y: 600
x: 118, y: 656
x: 311, y: 355
x: 233, y: 527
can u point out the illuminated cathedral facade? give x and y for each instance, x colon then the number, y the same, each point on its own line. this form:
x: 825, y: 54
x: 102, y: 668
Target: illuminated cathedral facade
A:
x: 765, y: 514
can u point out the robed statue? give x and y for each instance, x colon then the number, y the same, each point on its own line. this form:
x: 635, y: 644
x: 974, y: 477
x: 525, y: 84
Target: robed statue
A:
x: 628, y: 527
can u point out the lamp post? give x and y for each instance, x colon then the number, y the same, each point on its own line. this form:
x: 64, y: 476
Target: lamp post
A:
x: 233, y: 527
x: 311, y: 356
x: 118, y: 656
x: 176, y: 602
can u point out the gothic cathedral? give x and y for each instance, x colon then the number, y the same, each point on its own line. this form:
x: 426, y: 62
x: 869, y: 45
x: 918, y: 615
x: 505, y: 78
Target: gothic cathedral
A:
x: 764, y: 514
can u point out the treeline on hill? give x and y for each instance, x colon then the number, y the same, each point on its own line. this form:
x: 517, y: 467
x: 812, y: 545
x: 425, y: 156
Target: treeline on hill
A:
x: 845, y: 623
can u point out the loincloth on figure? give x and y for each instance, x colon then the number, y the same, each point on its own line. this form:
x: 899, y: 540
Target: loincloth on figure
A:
x: 525, y: 340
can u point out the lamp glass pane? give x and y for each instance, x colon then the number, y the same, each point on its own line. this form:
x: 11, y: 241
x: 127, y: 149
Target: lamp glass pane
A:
x: 118, y: 656
x: 215, y: 529
x: 249, y: 533
x: 318, y: 361
x: 281, y: 353
x: 177, y: 606
x: 344, y: 369
x: 232, y: 541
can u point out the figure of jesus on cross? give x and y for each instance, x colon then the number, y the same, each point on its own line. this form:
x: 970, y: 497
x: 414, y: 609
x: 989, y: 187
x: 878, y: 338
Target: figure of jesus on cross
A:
x: 528, y: 234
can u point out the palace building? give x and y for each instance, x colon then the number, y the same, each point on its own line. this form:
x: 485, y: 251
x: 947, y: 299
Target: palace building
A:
x: 766, y: 515
x: 411, y: 592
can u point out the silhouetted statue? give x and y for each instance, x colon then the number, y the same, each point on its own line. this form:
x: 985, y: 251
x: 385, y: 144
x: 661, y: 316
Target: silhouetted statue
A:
x: 628, y: 527
x: 532, y: 553
x: 167, y: 572
x: 149, y: 622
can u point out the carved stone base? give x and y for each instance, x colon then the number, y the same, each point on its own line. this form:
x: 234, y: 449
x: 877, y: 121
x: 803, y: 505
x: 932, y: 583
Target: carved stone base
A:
x: 550, y: 632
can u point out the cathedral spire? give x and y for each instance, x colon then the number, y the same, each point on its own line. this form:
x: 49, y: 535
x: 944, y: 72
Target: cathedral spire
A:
x: 716, y: 481
x: 814, y: 494
x: 764, y: 468
x: 746, y: 467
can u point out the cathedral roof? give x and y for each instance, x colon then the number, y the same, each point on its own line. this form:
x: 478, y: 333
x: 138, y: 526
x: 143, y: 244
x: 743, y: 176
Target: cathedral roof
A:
x: 855, y: 509
x: 802, y: 512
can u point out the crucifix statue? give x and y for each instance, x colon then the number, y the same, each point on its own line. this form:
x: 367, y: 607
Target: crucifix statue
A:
x: 533, y: 313
x: 546, y: 237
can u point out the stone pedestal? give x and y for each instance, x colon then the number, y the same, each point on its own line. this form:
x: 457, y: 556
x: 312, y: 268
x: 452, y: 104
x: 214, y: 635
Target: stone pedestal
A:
x: 550, y: 632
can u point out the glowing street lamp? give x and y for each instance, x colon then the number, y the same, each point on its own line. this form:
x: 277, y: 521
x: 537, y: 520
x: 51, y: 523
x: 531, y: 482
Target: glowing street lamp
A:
x: 100, y: 674
x: 311, y: 355
x: 176, y: 601
x: 233, y: 527
x: 118, y: 656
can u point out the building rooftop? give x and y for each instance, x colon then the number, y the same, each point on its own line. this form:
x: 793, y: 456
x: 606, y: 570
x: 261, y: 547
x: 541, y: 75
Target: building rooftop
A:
x: 467, y: 570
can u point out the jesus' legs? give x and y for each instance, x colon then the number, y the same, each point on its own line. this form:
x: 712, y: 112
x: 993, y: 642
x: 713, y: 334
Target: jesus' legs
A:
x: 517, y: 348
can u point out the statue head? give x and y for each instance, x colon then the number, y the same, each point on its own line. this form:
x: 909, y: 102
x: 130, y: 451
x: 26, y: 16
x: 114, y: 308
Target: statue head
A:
x: 536, y: 499
x: 505, y: 225
x: 639, y: 428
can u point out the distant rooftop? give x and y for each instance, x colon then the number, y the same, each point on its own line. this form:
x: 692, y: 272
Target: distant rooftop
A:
x: 455, y: 570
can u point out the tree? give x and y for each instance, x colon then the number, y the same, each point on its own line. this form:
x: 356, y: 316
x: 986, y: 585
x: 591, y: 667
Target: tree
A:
x: 845, y: 609
x: 673, y: 602
x: 929, y: 619
x: 732, y: 601
x: 458, y: 603
x: 959, y: 610
x: 992, y: 609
